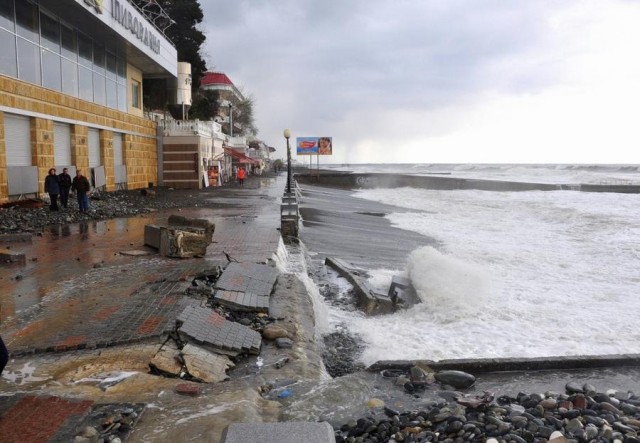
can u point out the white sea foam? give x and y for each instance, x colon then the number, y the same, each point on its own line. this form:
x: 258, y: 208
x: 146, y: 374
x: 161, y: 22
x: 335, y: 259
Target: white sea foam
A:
x: 517, y: 274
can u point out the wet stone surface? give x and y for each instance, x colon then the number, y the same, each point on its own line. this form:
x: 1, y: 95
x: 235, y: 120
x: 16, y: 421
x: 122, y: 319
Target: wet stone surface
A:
x: 574, y: 416
x: 341, y: 353
x: 108, y: 422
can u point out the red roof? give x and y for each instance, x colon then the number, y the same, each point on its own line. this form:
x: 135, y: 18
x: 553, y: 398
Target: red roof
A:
x: 215, y: 78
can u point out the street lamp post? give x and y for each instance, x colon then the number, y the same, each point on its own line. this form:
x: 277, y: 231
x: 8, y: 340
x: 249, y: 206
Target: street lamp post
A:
x: 287, y: 135
x: 230, y: 120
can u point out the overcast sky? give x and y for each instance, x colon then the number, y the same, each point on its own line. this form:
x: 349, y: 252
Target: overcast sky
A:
x: 492, y: 81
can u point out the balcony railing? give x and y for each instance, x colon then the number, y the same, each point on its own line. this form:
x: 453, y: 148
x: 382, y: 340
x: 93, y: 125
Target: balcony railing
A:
x: 192, y: 127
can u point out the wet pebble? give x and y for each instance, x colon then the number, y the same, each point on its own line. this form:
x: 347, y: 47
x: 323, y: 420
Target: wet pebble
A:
x: 553, y: 417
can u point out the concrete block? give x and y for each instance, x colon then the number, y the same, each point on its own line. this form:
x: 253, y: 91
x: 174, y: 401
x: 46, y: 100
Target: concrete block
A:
x: 9, y: 256
x: 206, y: 225
x: 152, y: 236
x: 285, y: 432
x: 182, y: 244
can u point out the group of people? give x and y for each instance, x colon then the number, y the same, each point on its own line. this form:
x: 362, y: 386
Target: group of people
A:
x: 62, y: 185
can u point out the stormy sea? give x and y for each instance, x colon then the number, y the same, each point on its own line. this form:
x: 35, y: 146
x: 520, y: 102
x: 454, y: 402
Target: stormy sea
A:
x: 500, y: 273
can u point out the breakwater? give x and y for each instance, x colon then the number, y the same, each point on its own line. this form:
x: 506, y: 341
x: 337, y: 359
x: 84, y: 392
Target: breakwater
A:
x: 349, y: 180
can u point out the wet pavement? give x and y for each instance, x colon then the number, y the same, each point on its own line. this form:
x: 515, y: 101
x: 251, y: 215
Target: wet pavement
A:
x: 91, y: 297
x: 80, y: 312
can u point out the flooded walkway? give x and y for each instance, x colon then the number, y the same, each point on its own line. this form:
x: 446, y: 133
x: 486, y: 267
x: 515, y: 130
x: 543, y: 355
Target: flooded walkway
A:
x: 91, y: 299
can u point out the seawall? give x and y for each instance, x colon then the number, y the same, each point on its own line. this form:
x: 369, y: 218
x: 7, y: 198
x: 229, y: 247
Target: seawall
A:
x: 349, y: 180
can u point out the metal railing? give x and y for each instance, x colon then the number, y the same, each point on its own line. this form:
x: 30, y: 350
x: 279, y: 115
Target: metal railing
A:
x: 192, y: 127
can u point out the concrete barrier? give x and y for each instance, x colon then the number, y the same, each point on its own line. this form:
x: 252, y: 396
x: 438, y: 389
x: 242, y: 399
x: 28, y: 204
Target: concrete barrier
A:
x: 516, y: 364
x: 9, y: 256
x: 284, y: 432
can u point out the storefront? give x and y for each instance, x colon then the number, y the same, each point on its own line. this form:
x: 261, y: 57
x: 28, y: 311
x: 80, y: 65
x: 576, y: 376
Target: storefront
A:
x: 71, y: 75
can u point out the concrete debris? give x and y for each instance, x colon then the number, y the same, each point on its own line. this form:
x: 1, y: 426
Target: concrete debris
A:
x: 209, y: 328
x: 204, y: 365
x: 200, y: 223
x: 183, y: 238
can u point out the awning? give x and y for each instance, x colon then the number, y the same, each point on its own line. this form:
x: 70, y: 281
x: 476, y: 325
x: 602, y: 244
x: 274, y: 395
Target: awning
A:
x: 240, y: 157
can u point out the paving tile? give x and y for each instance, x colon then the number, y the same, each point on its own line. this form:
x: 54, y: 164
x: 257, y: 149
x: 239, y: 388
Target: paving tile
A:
x: 208, y: 327
x: 39, y: 418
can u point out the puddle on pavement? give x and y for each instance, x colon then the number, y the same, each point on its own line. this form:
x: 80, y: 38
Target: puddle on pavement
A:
x: 66, y: 251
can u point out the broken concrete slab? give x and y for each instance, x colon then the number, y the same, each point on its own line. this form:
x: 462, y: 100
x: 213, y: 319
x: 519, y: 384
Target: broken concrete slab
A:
x: 179, y: 243
x: 243, y: 301
x: 167, y: 359
x: 201, y: 223
x: 183, y: 238
x: 248, y: 277
x: 209, y: 328
x: 205, y: 365
x: 370, y: 301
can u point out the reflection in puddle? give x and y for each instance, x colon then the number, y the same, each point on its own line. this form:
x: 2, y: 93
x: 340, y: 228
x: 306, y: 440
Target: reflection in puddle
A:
x: 64, y: 252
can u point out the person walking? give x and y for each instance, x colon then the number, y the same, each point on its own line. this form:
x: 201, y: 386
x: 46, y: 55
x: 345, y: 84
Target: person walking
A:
x: 52, y: 187
x: 81, y: 186
x: 65, y: 185
x: 241, y: 176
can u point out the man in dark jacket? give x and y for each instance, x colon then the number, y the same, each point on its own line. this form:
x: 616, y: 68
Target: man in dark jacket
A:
x: 52, y: 186
x: 81, y: 186
x: 65, y: 186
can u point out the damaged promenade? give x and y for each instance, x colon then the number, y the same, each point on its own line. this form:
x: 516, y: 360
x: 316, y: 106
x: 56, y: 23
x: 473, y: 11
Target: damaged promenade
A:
x: 111, y: 341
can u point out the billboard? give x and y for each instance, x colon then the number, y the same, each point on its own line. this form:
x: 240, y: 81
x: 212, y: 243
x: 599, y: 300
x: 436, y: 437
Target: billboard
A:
x: 314, y: 146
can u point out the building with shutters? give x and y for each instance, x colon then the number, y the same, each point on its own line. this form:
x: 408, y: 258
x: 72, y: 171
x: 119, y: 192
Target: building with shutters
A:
x: 71, y: 75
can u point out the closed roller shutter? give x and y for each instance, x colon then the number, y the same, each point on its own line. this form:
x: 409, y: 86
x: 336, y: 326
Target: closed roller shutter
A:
x: 17, y: 137
x: 117, y: 149
x: 94, y: 148
x: 62, y: 144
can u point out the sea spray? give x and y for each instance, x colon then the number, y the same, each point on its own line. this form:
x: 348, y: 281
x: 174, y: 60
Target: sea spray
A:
x: 450, y: 288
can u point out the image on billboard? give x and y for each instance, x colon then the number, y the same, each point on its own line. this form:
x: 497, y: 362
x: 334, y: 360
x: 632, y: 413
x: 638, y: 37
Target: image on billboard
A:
x: 314, y: 146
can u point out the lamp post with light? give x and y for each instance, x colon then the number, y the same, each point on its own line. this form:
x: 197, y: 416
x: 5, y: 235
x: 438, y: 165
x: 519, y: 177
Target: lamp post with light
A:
x: 287, y: 135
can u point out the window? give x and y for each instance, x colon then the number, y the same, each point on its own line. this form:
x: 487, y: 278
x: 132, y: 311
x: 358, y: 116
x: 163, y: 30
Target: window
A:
x: 38, y: 47
x: 29, y: 62
x: 6, y: 15
x: 27, y: 20
x: 111, y: 66
x: 85, y: 84
x: 51, y: 77
x: 112, y: 94
x: 85, y: 50
x: 69, y: 77
x: 135, y: 94
x: 98, y: 58
x: 8, y: 62
x: 122, y: 98
x: 50, y: 33
x: 69, y: 43
x: 99, y: 88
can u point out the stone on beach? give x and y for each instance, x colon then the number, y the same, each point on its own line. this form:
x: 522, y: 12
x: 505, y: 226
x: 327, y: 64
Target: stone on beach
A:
x: 273, y: 332
x: 457, y: 379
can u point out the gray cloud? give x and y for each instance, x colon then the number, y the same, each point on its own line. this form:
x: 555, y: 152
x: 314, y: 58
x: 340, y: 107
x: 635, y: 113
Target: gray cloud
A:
x: 321, y: 67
